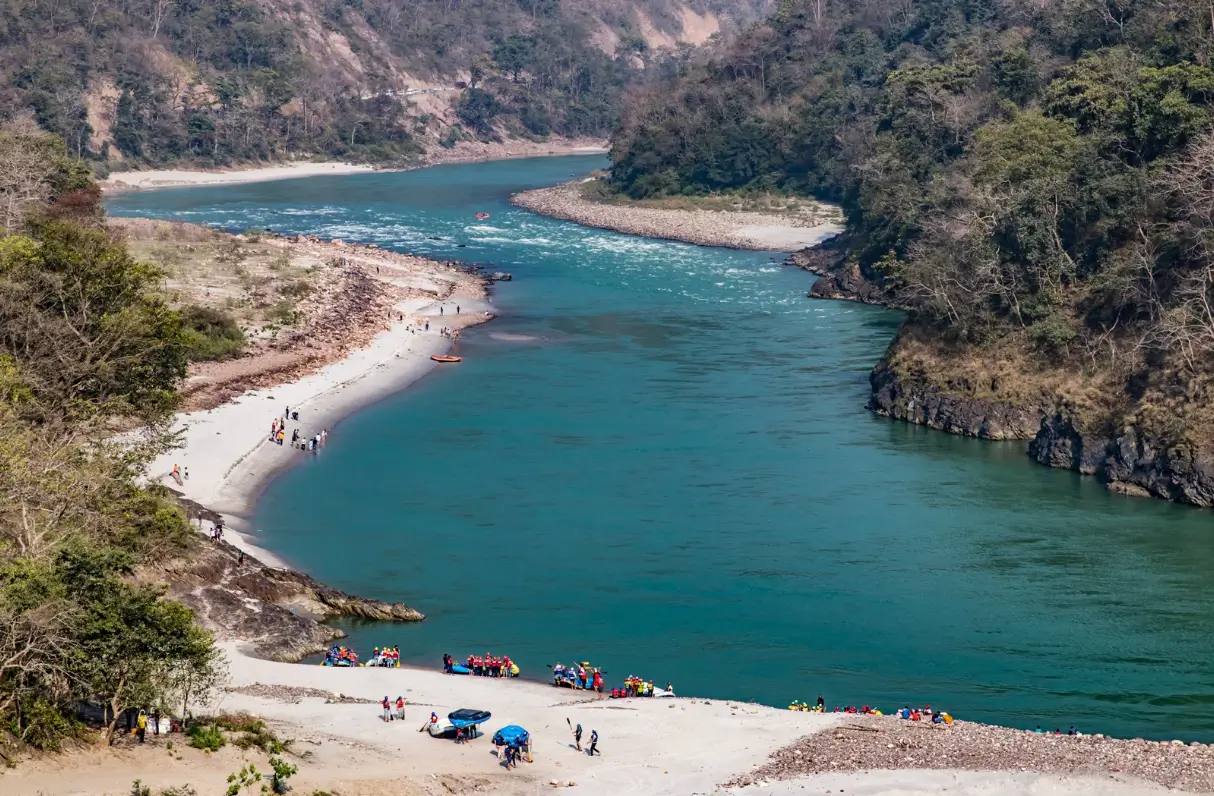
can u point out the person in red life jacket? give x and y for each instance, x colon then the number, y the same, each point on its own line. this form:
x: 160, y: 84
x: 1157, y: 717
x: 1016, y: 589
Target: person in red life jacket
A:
x: 507, y: 667
x: 470, y: 660
x: 387, y: 706
x: 598, y: 682
x: 400, y: 707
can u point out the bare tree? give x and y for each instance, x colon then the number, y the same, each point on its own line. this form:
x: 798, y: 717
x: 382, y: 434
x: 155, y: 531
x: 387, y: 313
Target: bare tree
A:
x: 25, y: 177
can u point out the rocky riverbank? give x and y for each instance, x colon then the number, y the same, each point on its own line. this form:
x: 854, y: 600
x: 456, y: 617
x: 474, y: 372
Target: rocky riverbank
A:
x: 278, y: 612
x: 732, y: 229
x: 1131, y: 462
x: 864, y: 743
x: 1001, y: 395
x: 840, y: 279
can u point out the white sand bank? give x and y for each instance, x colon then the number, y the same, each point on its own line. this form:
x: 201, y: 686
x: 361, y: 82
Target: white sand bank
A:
x: 648, y: 746
x: 128, y: 180
x: 788, y: 238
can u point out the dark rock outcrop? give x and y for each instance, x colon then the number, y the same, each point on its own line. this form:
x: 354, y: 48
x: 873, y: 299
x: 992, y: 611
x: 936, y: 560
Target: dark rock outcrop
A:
x: 841, y: 279
x: 280, y: 612
x: 916, y: 400
x: 1131, y: 462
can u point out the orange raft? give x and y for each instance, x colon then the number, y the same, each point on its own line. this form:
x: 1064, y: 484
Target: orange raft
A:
x: 481, y: 216
x: 445, y: 358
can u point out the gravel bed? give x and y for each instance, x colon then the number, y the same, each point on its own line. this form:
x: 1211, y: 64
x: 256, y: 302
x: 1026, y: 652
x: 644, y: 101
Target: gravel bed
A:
x: 699, y: 227
x: 295, y: 694
x: 882, y: 742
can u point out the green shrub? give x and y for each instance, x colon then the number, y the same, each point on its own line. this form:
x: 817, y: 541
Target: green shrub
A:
x: 203, y: 737
x: 1053, y: 337
x: 211, y: 334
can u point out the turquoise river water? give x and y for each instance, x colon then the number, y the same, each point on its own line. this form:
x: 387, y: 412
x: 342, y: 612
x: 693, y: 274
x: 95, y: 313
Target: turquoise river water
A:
x: 658, y: 459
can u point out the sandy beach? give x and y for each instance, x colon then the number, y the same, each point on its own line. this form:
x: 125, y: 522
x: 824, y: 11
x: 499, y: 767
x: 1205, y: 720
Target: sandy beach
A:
x: 168, y: 178
x: 734, y: 229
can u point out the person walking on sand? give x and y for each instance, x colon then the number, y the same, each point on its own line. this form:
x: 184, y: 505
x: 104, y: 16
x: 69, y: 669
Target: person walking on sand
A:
x: 594, y: 743
x: 400, y: 707
x: 441, y: 308
x: 141, y: 726
x: 387, y: 706
x: 577, y: 737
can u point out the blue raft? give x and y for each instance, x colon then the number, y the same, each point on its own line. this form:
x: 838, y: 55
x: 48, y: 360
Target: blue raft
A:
x: 511, y: 735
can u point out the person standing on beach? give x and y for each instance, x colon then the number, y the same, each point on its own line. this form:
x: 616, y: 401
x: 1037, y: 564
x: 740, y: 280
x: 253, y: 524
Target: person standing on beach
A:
x: 387, y: 706
x: 457, y: 309
x: 577, y: 737
x: 441, y: 308
x: 427, y: 326
x: 594, y: 743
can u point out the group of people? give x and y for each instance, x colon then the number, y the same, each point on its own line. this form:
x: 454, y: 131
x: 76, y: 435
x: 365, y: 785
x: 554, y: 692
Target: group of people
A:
x: 340, y: 656
x: 513, y: 752
x: 635, y: 687
x: 448, y: 332
x: 1071, y: 731
x: 926, y: 714
x: 489, y: 665
x: 278, y: 433
x: 593, y: 748
x: 388, y: 656
x: 577, y: 677
x: 907, y: 713
x: 386, y: 704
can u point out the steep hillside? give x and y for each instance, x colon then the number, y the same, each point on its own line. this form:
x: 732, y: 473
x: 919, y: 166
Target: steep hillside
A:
x: 157, y: 81
x: 1033, y: 182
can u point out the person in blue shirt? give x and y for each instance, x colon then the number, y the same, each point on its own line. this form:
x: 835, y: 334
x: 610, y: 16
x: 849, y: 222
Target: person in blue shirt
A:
x: 594, y: 743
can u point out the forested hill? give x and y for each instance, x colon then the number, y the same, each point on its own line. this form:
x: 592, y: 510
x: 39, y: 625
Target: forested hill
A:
x: 1033, y: 181
x: 214, y: 82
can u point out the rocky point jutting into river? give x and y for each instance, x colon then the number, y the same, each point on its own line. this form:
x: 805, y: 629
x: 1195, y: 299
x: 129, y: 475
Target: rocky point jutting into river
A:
x: 279, y: 612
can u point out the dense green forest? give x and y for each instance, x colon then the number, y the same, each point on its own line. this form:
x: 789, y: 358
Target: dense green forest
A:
x: 87, y: 349
x: 159, y: 81
x: 1033, y: 181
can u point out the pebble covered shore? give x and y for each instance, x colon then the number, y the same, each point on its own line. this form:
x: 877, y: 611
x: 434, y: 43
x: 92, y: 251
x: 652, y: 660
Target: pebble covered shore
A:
x: 866, y: 743
x: 723, y: 228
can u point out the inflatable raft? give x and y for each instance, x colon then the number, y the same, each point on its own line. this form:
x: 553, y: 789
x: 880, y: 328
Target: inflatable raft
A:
x: 445, y: 358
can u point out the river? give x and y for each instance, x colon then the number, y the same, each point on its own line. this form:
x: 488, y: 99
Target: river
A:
x: 658, y: 459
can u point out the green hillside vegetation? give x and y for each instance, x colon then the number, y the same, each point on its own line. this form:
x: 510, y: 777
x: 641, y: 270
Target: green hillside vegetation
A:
x: 164, y: 81
x: 1034, y: 182
x: 87, y: 350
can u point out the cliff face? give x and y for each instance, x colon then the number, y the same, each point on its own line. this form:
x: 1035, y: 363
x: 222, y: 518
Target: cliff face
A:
x: 278, y: 611
x: 917, y: 401
x: 969, y: 396
x: 1133, y: 462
